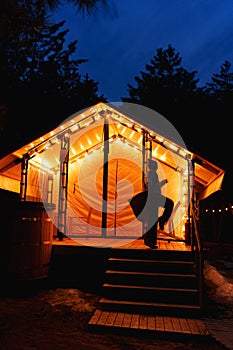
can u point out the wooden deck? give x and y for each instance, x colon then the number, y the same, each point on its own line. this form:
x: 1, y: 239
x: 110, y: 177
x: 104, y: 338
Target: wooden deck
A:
x: 152, y: 323
x: 164, y: 243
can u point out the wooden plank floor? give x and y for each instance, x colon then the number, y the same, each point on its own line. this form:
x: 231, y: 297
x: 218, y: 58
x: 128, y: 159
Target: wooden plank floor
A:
x: 162, y: 243
x: 157, y: 323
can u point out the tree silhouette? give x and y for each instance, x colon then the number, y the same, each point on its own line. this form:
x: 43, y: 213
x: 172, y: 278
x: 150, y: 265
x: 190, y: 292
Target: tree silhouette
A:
x: 221, y: 85
x: 167, y: 87
x: 85, y: 7
x: 40, y: 79
x: 220, y: 90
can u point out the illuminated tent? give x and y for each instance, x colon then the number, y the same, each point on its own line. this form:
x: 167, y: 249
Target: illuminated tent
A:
x: 92, y: 164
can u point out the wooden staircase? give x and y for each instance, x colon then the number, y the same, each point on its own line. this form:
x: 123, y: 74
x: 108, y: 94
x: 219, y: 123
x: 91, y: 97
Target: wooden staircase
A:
x: 161, y: 282
x: 151, y: 291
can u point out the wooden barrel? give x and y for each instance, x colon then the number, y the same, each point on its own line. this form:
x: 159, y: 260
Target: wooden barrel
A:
x: 27, y: 233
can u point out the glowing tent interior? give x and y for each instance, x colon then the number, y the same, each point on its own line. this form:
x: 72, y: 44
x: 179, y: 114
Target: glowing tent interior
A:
x: 95, y: 161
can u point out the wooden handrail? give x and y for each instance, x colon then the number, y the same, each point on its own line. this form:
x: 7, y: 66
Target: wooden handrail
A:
x: 199, y: 253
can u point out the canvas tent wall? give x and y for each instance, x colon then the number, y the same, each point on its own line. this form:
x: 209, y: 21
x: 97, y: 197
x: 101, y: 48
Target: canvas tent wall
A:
x: 95, y: 161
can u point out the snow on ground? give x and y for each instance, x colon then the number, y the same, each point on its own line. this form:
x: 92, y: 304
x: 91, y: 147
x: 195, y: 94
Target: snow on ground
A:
x: 218, y: 280
x: 222, y: 288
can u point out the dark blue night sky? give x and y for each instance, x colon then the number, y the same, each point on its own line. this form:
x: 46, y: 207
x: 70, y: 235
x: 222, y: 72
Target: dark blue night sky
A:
x: 119, y: 42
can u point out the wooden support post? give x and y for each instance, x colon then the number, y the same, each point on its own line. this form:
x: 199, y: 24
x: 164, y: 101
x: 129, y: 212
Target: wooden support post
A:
x: 144, y: 138
x: 50, y: 189
x: 188, y: 226
x: 146, y: 153
x: 105, y: 177
x: 62, y: 200
x: 24, y: 174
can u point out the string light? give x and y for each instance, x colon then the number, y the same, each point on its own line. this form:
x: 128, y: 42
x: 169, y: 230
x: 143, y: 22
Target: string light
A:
x: 218, y: 210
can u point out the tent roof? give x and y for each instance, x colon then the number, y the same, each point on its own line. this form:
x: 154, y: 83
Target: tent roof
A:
x: 126, y: 122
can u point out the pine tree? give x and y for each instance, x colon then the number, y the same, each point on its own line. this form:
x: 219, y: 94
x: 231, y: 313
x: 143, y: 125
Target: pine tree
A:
x: 221, y: 85
x: 41, y: 81
x: 168, y: 88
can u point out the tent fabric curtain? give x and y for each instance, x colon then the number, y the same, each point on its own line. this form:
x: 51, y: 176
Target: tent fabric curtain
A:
x: 123, y: 183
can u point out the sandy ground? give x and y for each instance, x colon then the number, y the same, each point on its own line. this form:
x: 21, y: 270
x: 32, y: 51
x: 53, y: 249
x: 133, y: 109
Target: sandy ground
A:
x: 49, y: 319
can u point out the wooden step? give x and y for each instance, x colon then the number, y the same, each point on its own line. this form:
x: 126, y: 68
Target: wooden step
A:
x: 151, y: 308
x: 158, y: 294
x: 150, y: 265
x: 153, y: 254
x: 151, y: 278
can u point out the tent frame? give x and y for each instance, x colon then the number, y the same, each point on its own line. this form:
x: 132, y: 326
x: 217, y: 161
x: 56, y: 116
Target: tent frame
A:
x: 205, y: 179
x: 63, y: 186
